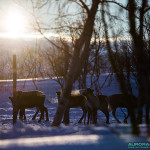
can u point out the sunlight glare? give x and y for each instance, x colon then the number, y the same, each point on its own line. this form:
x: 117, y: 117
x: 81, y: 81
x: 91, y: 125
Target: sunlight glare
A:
x: 15, y: 24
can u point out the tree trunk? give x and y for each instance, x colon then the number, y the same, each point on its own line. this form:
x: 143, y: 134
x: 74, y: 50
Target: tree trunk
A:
x: 141, y: 61
x: 77, y: 62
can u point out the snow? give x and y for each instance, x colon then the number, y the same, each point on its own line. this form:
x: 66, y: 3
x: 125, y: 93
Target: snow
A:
x: 30, y: 134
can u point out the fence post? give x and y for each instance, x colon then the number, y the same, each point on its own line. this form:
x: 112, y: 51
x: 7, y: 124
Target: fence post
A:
x: 14, y: 75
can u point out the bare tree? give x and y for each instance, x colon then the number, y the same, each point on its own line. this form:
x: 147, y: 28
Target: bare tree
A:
x: 117, y: 65
x: 56, y: 62
x: 77, y: 61
x: 80, y: 32
x: 139, y: 10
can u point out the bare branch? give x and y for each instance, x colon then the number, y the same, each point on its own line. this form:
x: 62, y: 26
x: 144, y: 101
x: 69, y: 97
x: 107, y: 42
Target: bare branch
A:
x: 84, y: 6
x: 114, y: 2
x: 147, y: 9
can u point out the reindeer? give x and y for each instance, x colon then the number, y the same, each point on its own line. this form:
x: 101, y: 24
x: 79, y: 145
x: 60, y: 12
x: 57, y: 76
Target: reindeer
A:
x: 75, y: 100
x: 103, y: 106
x: 122, y: 101
x: 29, y: 99
x: 92, y: 104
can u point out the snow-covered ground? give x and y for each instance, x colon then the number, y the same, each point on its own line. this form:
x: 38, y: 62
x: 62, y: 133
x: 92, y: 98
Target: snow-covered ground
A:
x: 30, y: 134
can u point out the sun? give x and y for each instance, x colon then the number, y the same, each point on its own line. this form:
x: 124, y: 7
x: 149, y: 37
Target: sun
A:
x: 15, y: 24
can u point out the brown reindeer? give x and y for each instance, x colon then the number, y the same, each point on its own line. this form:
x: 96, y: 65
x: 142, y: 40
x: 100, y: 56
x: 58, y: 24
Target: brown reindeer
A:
x: 30, y: 99
x: 122, y: 101
x: 75, y: 100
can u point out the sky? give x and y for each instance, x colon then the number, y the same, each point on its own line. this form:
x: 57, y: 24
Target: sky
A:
x: 16, y: 21
x: 12, y: 18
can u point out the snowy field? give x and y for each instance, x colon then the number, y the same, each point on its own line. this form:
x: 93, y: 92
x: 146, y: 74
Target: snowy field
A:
x: 30, y: 134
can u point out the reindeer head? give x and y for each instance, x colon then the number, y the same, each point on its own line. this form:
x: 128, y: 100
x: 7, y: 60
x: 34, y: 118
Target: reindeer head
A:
x: 89, y: 90
x: 58, y: 93
x: 86, y: 91
x: 12, y: 100
x: 18, y: 93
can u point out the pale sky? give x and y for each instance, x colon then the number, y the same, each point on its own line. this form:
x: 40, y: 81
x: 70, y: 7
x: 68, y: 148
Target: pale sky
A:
x: 16, y: 22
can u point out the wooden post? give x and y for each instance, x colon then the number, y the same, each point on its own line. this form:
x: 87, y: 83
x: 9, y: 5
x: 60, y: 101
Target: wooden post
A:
x: 14, y: 75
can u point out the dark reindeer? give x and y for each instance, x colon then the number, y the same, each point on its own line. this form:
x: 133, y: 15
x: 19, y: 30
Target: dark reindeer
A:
x: 92, y: 104
x: 122, y: 101
x: 75, y: 100
x: 103, y: 106
x: 30, y: 99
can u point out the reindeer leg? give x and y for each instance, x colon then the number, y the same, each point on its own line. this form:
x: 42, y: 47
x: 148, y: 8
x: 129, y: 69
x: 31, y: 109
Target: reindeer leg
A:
x: 21, y: 114
x: 66, y: 116
x: 125, y: 116
x: 83, y: 109
x: 80, y: 121
x: 37, y: 111
x: 85, y: 112
x: 89, y: 117
x: 42, y: 113
x: 106, y: 112
x: 24, y: 114
x: 63, y: 120
x: 46, y: 111
x: 95, y: 116
x: 113, y: 113
x: 125, y: 120
x: 92, y: 117
x: 15, y: 113
x: 107, y: 116
x: 83, y: 116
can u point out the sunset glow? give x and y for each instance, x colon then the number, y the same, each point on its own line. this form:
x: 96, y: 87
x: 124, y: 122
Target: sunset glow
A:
x: 15, y: 24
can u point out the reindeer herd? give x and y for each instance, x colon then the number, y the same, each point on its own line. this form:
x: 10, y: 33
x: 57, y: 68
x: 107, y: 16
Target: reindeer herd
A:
x: 86, y: 100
